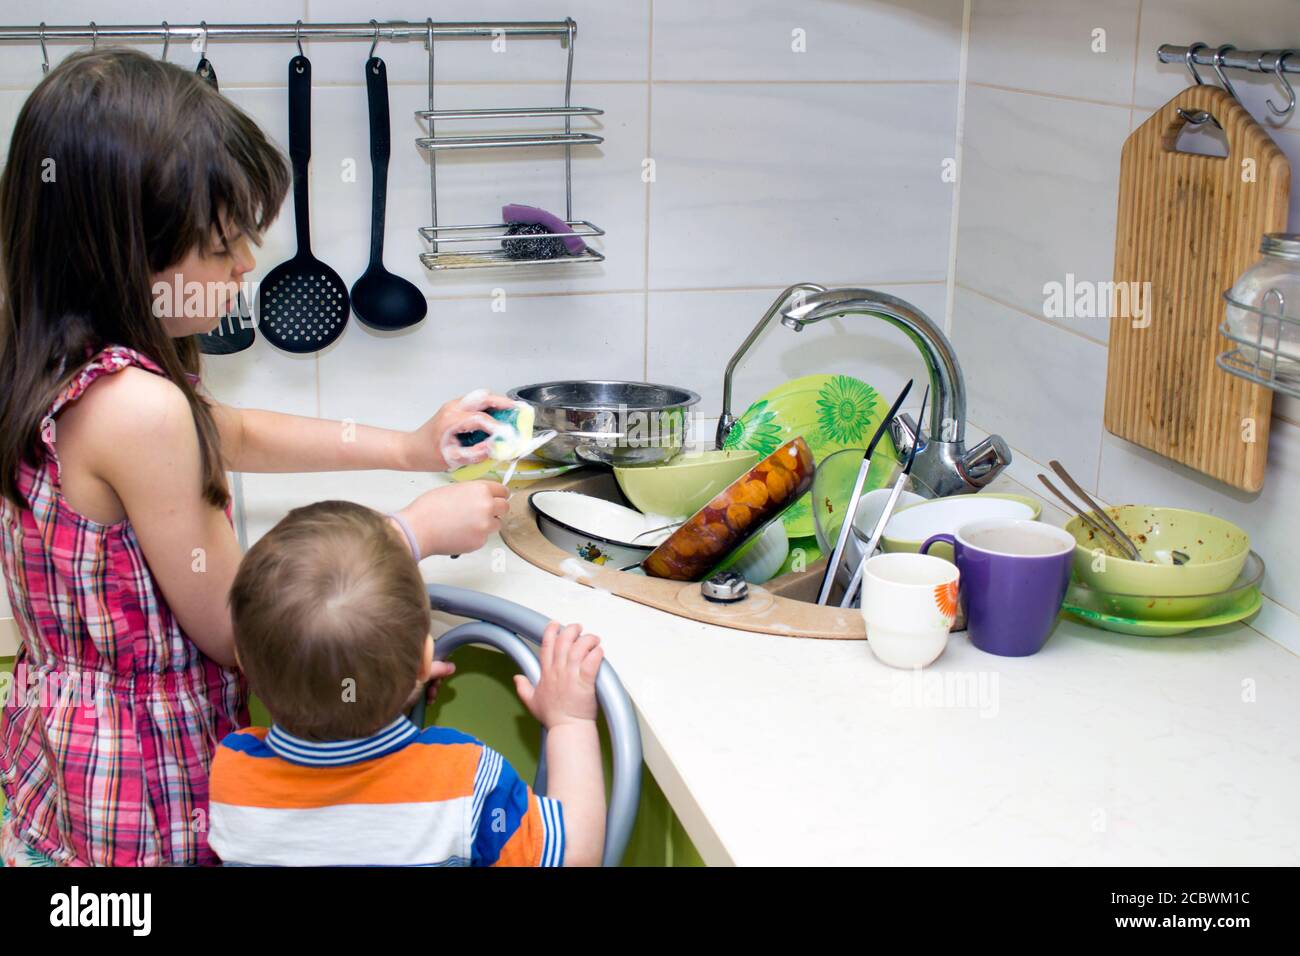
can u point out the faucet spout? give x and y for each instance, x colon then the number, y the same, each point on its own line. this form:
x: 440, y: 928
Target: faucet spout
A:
x: 943, y: 464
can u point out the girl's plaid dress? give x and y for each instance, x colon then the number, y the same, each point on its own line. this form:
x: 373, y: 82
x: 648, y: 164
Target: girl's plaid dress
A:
x: 114, y: 714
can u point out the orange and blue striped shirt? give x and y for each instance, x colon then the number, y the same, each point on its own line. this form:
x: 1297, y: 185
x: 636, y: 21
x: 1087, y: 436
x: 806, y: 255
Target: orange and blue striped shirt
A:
x: 401, y: 797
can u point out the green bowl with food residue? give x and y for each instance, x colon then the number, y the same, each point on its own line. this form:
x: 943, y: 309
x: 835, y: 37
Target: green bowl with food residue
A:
x: 1109, y: 607
x: 1216, y: 550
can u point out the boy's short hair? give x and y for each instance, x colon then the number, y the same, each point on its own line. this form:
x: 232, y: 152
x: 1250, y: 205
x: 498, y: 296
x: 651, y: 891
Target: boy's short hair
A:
x: 330, y: 617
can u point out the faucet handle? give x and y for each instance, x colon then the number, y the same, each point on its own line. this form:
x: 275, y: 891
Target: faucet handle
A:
x: 982, y: 463
x: 904, y: 432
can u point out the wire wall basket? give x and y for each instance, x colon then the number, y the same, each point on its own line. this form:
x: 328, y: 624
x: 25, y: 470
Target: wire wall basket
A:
x: 1267, y: 350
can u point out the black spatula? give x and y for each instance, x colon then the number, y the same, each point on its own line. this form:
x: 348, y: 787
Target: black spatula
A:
x: 380, y: 299
x: 302, y: 304
x: 235, y: 331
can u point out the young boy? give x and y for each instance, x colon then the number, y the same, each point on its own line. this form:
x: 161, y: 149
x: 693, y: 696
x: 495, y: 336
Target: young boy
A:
x: 331, y: 624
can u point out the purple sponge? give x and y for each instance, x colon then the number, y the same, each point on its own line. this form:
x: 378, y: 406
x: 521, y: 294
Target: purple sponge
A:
x: 531, y: 215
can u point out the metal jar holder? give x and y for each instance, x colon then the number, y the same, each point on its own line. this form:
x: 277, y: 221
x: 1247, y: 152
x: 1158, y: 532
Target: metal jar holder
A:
x: 489, y: 252
x: 1262, y: 359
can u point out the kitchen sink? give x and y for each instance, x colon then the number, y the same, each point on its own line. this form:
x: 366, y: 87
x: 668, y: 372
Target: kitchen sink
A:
x: 784, y: 605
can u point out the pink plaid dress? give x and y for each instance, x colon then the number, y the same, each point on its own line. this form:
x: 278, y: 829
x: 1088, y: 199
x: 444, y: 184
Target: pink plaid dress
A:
x: 114, y: 714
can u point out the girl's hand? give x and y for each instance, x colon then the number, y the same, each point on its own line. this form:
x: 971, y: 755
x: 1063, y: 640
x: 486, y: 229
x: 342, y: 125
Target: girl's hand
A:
x: 434, y: 446
x: 566, y: 692
x: 458, y: 518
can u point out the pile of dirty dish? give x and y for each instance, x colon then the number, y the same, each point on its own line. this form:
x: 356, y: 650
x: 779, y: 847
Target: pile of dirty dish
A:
x: 1214, y: 580
x: 745, y: 507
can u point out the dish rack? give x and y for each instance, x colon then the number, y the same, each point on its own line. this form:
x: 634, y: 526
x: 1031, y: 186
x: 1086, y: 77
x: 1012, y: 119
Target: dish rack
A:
x: 488, y: 236
x: 1258, y: 359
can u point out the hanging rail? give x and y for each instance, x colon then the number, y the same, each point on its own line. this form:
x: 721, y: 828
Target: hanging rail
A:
x: 359, y: 30
x: 1229, y: 57
x: 425, y: 31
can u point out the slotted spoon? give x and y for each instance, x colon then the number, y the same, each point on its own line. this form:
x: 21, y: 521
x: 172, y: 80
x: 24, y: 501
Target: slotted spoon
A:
x: 302, y: 304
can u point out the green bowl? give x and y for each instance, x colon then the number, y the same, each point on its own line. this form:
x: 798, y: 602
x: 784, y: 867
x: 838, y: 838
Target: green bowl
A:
x: 1217, y: 549
x: 684, y: 485
x: 1084, y: 600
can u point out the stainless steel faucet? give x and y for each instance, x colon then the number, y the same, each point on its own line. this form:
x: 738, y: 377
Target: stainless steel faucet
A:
x: 943, y: 464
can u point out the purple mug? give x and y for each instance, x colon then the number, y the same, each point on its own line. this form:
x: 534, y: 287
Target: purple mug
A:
x: 1014, y: 574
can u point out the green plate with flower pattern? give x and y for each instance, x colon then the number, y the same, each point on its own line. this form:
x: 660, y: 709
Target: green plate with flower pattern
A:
x: 831, y: 412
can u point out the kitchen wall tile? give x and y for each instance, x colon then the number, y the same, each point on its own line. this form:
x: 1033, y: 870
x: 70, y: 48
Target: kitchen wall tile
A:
x: 400, y: 379
x: 759, y: 185
x: 1270, y: 517
x: 1289, y: 141
x: 1042, y: 388
x: 694, y: 334
x: 1038, y: 202
x: 474, y: 184
x: 238, y: 63
x: 1259, y: 25
x: 1049, y: 48
x: 913, y: 40
x: 268, y: 498
x: 263, y: 377
x: 612, y: 43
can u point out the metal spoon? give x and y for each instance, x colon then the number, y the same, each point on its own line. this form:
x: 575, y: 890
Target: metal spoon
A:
x: 1178, y: 557
x: 1124, y: 545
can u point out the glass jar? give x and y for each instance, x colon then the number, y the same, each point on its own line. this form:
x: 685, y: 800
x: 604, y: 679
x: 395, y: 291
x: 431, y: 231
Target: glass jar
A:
x: 1263, y: 308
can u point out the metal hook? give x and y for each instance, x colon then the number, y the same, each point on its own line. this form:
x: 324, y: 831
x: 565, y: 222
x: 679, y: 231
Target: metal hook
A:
x: 1190, y: 59
x: 94, y: 35
x: 1279, y: 69
x: 375, y: 42
x: 1219, y: 54
x: 203, y: 43
x: 45, y: 54
x: 297, y: 35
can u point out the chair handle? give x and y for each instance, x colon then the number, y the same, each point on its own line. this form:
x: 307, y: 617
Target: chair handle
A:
x: 509, y: 627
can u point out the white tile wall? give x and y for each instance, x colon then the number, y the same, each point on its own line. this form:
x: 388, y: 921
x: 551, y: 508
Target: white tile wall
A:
x: 1038, y: 200
x: 1038, y: 197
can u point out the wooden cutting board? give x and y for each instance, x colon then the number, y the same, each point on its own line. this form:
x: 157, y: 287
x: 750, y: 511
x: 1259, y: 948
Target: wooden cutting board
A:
x: 1190, y: 225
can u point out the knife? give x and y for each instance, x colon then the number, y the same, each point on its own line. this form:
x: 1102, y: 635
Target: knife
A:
x: 828, y: 578
x: 856, y: 581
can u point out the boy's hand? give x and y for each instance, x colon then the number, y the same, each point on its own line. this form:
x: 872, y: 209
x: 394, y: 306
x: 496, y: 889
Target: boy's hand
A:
x: 441, y: 671
x: 566, y: 692
x: 457, y: 518
x: 434, y: 446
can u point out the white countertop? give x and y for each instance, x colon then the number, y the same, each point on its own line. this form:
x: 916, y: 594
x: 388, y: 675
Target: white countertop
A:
x: 1101, y: 749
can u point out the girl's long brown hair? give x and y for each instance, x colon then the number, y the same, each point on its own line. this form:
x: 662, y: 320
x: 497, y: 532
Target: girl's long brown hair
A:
x: 119, y: 166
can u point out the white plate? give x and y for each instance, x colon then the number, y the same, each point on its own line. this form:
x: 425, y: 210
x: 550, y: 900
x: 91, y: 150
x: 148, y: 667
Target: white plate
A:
x: 945, y: 515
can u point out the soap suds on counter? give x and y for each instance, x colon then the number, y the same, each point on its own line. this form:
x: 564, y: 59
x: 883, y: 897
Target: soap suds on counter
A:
x: 575, y: 570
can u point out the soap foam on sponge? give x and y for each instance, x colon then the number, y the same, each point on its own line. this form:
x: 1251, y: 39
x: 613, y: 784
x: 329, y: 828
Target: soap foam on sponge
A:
x: 510, y: 439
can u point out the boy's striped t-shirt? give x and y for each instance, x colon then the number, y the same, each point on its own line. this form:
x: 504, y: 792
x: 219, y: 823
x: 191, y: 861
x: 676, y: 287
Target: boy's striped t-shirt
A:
x: 401, y: 797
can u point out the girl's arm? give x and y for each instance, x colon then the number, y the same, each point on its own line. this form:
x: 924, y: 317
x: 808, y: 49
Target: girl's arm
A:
x: 253, y: 440
x: 134, y: 433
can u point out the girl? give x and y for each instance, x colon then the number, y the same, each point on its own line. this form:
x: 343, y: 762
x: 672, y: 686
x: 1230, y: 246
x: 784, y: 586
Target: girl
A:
x: 126, y: 176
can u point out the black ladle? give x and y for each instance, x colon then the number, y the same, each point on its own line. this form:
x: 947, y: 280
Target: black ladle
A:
x: 302, y: 304
x: 380, y: 299
x: 235, y: 331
